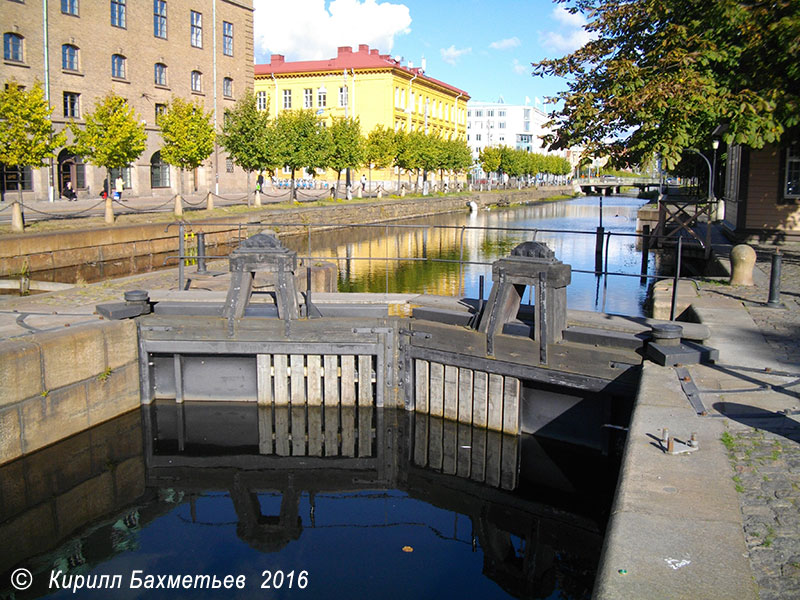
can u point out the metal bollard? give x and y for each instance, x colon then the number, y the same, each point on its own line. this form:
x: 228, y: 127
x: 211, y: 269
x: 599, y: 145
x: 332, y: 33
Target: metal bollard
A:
x: 645, y: 251
x: 598, y: 250
x: 775, y: 280
x: 201, y: 253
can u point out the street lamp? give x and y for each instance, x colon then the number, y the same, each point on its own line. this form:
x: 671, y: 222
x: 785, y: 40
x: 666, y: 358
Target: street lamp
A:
x: 710, y: 172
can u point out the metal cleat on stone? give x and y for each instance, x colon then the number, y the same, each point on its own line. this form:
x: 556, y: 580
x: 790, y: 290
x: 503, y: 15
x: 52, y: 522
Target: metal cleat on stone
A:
x: 670, y: 445
x: 665, y: 347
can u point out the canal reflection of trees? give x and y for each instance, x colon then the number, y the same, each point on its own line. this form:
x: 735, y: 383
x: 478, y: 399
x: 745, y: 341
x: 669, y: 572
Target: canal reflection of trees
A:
x: 530, y: 507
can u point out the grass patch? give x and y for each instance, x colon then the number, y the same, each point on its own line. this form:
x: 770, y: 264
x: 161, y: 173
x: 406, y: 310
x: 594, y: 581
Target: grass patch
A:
x: 728, y: 441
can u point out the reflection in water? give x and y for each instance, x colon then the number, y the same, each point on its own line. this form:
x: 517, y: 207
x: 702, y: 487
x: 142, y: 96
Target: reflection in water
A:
x: 486, y: 515
x: 625, y: 294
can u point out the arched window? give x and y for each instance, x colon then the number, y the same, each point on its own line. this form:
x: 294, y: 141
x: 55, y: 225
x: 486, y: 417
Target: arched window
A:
x: 12, y: 47
x: 69, y: 57
x: 160, y: 74
x: 197, y: 81
x: 159, y: 172
x: 118, y: 66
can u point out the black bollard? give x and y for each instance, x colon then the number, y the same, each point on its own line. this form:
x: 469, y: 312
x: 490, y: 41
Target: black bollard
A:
x: 201, y: 253
x: 775, y: 280
x: 598, y: 250
x: 645, y: 251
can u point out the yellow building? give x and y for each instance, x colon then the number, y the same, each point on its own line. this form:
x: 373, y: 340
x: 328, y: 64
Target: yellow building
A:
x: 374, y: 87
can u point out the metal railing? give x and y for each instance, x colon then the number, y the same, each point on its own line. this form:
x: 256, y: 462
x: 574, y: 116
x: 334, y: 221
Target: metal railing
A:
x: 602, y: 239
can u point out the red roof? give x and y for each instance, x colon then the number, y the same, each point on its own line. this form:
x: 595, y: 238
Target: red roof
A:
x: 364, y: 58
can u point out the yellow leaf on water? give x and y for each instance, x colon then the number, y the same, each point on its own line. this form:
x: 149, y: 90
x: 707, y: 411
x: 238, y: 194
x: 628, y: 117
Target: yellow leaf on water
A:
x: 407, y: 549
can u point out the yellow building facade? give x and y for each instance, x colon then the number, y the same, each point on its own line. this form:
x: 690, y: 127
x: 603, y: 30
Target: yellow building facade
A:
x: 375, y: 88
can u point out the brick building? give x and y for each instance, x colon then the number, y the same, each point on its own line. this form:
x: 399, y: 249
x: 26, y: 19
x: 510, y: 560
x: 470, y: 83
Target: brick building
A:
x: 146, y: 52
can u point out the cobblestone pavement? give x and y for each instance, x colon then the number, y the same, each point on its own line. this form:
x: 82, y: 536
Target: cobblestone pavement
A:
x: 766, y: 461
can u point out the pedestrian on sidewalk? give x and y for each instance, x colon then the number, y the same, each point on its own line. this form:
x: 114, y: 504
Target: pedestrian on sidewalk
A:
x: 69, y: 193
x: 119, y: 185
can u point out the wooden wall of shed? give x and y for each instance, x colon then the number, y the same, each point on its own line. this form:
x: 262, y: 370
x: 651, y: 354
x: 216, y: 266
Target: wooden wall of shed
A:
x: 764, y: 192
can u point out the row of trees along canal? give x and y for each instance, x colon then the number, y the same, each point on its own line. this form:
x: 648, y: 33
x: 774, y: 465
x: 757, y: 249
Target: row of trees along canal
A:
x: 112, y: 137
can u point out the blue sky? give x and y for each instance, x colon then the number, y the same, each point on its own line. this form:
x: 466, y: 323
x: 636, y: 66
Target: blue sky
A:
x: 480, y: 46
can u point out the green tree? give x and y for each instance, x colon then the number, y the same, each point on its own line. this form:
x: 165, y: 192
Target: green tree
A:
x: 380, y: 149
x: 457, y: 156
x: 111, y: 137
x: 26, y: 131
x: 408, y: 153
x: 300, y: 141
x: 661, y: 75
x: 188, y: 135
x: 245, y: 136
x: 489, y: 158
x: 347, y: 146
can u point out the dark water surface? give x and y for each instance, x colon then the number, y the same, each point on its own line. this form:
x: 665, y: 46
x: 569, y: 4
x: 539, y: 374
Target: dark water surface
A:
x: 411, y: 507
x: 440, y: 237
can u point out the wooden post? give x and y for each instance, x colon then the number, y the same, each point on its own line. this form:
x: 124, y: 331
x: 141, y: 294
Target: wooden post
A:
x: 109, y: 212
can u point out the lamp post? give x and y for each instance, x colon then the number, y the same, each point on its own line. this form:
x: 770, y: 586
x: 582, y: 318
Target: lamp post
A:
x: 348, y: 188
x: 710, y: 172
x: 720, y: 206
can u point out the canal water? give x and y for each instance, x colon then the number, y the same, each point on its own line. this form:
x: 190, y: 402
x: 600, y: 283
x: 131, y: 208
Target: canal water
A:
x: 197, y: 490
x: 567, y: 227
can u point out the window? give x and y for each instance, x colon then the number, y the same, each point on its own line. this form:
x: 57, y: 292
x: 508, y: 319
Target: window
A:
x: 229, y: 165
x: 160, y: 19
x: 501, y: 125
x: 397, y: 98
x: 159, y: 172
x: 118, y: 13
x: 12, y: 47
x: 118, y: 66
x: 469, y: 113
x: 197, y: 81
x: 11, y: 179
x: 227, y: 87
x: 792, y: 183
x: 126, y: 176
x: 261, y: 100
x: 71, y: 105
x: 478, y: 113
x: 197, y: 29
x: 343, y: 95
x: 161, y: 109
x: 501, y: 113
x: 308, y: 98
x: 489, y: 113
x: 322, y: 97
x: 69, y: 7
x: 160, y: 76
x: 69, y: 57
x: 287, y: 99
x: 227, y: 38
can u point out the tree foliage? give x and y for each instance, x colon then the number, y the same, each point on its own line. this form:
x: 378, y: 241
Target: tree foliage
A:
x: 245, y: 136
x: 26, y: 131
x: 112, y: 135
x: 489, y: 157
x: 380, y: 148
x: 300, y: 141
x: 347, y: 144
x: 188, y: 134
x: 660, y: 75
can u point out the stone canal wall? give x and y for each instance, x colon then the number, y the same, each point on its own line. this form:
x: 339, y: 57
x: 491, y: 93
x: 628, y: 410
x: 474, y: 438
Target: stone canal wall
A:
x: 59, y: 383
x: 125, y: 249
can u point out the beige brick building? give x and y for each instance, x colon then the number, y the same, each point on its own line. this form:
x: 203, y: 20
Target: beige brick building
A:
x: 144, y: 50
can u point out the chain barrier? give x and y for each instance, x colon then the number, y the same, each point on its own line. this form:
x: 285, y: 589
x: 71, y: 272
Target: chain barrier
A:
x: 7, y: 207
x: 198, y: 203
x: 53, y: 217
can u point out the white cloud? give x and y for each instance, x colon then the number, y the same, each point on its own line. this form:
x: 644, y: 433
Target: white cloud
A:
x: 519, y: 68
x: 572, y: 34
x: 452, y: 54
x: 310, y: 30
x: 505, y: 44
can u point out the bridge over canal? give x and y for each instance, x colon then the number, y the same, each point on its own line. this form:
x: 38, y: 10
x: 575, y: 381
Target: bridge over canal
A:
x: 612, y: 185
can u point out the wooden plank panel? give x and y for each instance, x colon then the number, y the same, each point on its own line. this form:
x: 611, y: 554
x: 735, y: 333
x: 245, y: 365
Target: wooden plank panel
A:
x: 348, y: 380
x: 365, y: 380
x: 282, y: 444
x: 494, y: 452
x: 264, y: 377
x: 348, y: 431
x: 449, y: 447
x: 331, y: 376
x: 465, y: 385
x: 314, y: 379
x: 464, y: 450
x: 435, y: 444
x: 264, y: 429
x: 421, y: 440
x: 494, y: 417
x: 331, y: 430
x: 511, y: 391
x: 315, y: 431
x: 281, y: 379
x: 478, y: 466
x: 436, y: 397
x: 298, y: 416
x: 298, y: 380
x: 422, y: 386
x: 480, y: 399
x: 510, y: 463
x: 451, y: 393
x: 365, y: 431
